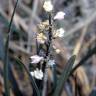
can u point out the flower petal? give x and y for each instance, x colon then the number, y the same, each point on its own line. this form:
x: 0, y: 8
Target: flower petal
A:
x: 48, y: 7
x: 36, y: 59
x: 38, y: 74
x: 41, y: 38
x: 59, y: 32
x: 57, y: 51
x: 59, y: 16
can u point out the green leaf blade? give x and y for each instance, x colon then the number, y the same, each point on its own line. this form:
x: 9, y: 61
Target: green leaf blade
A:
x: 34, y: 85
x: 6, y: 79
x: 64, y: 76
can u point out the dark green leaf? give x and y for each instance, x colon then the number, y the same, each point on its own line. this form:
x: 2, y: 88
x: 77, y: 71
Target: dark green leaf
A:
x: 22, y: 66
x: 64, y: 76
x: 6, y: 79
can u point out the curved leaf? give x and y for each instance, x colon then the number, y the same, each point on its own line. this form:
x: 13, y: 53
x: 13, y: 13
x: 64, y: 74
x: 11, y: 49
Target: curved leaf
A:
x: 6, y: 79
x: 64, y: 76
x: 30, y: 77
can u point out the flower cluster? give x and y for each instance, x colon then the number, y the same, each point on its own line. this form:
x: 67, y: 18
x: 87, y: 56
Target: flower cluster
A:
x: 48, y: 7
x: 44, y: 40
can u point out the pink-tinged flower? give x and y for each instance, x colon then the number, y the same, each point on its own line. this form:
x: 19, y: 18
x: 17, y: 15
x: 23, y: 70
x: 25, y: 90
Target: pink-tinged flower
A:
x: 38, y: 74
x: 48, y: 7
x: 36, y: 59
x: 59, y: 16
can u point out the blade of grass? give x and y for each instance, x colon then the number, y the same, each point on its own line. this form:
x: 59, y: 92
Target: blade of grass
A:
x: 34, y: 85
x: 64, y: 76
x: 6, y: 79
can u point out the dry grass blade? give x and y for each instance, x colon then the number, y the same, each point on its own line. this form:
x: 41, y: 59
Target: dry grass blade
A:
x: 84, y: 59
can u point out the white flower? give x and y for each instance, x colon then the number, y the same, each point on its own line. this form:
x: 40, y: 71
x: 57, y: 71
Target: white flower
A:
x: 38, y: 74
x: 59, y: 16
x: 57, y: 51
x: 51, y: 62
x: 48, y: 6
x: 59, y: 32
x: 41, y: 38
x: 36, y: 59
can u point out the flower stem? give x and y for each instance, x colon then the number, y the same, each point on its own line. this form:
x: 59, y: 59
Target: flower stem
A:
x: 50, y: 35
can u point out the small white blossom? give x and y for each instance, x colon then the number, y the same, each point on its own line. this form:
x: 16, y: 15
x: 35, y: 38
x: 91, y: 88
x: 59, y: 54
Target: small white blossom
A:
x: 36, y: 59
x: 59, y: 32
x: 48, y: 7
x: 57, y: 51
x: 51, y: 62
x: 41, y: 38
x: 59, y: 16
x: 38, y: 74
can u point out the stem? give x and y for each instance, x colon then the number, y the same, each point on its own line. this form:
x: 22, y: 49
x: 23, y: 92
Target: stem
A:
x: 45, y: 82
x: 47, y: 56
x: 50, y: 35
x: 37, y: 48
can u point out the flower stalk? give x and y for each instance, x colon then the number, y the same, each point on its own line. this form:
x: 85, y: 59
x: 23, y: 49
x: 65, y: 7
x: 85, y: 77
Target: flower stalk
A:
x: 50, y: 35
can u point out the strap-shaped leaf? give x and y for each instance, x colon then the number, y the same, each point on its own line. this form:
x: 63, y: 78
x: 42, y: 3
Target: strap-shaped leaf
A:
x: 34, y: 85
x: 6, y: 79
x: 64, y: 76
